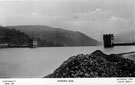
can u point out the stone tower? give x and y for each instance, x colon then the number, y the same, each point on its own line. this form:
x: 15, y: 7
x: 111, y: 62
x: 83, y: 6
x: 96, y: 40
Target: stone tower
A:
x: 108, y: 40
x: 33, y: 43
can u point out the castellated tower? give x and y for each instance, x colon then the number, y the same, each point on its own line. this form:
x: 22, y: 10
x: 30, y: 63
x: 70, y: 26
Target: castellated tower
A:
x: 108, y: 40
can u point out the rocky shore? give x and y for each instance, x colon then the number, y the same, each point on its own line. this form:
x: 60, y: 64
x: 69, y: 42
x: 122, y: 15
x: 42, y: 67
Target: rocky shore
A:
x: 96, y: 64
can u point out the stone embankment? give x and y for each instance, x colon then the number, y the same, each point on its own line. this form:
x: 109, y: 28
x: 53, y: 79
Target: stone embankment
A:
x: 96, y: 64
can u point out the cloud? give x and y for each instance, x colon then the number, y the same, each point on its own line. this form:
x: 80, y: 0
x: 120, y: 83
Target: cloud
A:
x: 77, y: 22
x: 97, y: 21
x: 36, y: 14
x: 118, y: 19
x: 97, y: 16
x: 98, y: 11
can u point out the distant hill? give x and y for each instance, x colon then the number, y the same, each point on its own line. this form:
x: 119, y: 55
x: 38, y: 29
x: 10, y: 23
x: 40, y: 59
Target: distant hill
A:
x: 128, y: 36
x: 57, y: 35
x: 16, y: 38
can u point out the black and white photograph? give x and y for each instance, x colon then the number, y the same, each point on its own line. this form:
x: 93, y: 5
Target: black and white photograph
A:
x: 67, y: 39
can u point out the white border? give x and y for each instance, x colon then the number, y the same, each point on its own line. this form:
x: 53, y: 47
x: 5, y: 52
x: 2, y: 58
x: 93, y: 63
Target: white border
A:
x: 68, y: 81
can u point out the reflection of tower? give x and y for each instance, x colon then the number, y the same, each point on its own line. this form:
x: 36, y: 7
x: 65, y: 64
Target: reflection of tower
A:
x: 108, y: 40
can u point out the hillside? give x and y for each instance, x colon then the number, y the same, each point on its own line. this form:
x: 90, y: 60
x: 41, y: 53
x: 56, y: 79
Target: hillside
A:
x: 13, y: 37
x: 57, y: 35
x: 96, y: 64
x: 16, y: 38
x: 128, y: 36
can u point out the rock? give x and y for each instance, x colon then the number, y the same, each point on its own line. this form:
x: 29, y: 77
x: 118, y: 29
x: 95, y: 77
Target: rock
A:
x: 86, y: 74
x: 96, y: 64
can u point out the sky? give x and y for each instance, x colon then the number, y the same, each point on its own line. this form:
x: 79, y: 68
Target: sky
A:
x: 92, y: 17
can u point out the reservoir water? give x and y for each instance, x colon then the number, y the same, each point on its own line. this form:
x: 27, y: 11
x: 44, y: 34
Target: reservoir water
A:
x: 39, y: 62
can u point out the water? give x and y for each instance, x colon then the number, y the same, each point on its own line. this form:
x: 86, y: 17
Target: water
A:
x: 39, y: 62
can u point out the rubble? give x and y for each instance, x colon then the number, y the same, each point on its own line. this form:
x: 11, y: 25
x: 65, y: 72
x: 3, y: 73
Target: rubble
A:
x: 96, y: 64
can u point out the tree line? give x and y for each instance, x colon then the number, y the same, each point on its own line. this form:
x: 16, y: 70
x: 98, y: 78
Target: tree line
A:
x: 17, y: 38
